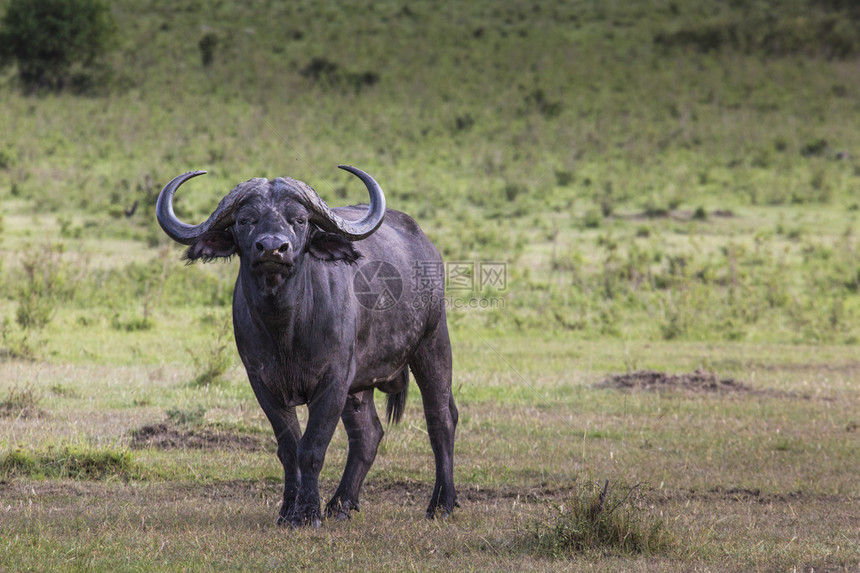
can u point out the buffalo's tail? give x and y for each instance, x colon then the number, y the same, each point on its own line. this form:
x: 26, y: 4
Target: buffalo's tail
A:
x: 397, y: 401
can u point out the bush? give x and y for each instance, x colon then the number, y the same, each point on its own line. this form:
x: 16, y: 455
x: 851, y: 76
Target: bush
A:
x: 55, y: 43
x: 329, y: 74
x: 20, y: 403
x: 771, y: 29
x: 604, y: 521
x: 44, y: 283
x: 187, y: 417
x: 68, y: 462
x: 207, y: 45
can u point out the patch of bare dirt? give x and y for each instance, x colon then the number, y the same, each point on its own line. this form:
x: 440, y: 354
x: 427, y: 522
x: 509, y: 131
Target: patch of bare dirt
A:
x: 165, y: 436
x: 417, y: 490
x: 721, y: 494
x: 407, y: 491
x: 697, y: 381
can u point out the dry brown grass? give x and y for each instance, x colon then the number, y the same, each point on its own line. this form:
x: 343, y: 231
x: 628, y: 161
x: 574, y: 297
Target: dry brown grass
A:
x: 763, y: 480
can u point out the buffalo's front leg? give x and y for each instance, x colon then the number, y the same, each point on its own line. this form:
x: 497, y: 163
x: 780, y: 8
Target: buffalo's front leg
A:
x: 323, y: 414
x: 287, y: 431
x: 364, y: 432
x: 288, y: 434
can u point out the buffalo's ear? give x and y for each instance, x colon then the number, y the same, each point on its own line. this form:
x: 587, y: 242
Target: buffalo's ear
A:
x: 211, y: 245
x: 332, y: 247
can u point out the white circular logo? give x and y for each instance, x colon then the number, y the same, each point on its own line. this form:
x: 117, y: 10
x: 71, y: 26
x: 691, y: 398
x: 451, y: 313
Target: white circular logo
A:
x: 377, y: 285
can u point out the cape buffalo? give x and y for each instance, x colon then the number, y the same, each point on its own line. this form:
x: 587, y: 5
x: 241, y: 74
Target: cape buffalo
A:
x: 306, y: 335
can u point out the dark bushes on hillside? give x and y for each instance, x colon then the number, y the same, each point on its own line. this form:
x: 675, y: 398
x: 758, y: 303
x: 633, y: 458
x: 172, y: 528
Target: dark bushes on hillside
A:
x: 55, y: 44
x: 329, y: 74
x: 816, y: 33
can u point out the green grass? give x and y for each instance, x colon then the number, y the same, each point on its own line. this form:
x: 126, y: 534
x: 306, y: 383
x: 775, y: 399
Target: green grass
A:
x: 669, y: 188
x: 602, y: 120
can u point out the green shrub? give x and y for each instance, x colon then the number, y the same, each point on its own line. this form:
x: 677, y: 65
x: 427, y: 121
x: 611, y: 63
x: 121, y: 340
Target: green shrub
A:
x: 538, y: 101
x: 602, y: 520
x: 45, y: 282
x: 329, y: 74
x: 563, y: 178
x: 187, y: 417
x: 132, y: 323
x: 55, y: 43
x: 207, y: 45
x: 68, y: 462
x: 770, y: 29
x: 20, y: 403
x: 213, y: 364
x: 14, y: 342
x: 18, y: 461
x: 592, y: 219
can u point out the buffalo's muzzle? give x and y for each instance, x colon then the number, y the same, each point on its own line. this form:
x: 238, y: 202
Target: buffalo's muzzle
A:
x: 273, y: 253
x: 272, y: 244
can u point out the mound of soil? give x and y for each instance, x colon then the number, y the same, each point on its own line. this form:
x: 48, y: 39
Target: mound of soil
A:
x: 697, y: 381
x: 170, y: 437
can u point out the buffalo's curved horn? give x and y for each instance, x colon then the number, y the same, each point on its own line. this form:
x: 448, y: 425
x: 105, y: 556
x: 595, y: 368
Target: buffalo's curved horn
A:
x: 326, y: 219
x: 183, y: 232
x: 322, y: 214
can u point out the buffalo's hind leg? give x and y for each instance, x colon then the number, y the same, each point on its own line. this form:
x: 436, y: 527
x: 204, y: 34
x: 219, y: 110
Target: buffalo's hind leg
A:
x: 431, y: 366
x: 364, y: 432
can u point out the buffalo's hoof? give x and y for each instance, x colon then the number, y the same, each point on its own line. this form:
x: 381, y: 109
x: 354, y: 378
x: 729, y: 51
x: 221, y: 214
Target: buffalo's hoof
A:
x: 308, y: 521
x: 438, y: 512
x: 341, y: 511
x: 314, y: 522
x: 298, y: 521
x: 340, y: 515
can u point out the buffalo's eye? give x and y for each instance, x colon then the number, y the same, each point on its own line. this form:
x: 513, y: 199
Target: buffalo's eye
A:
x: 244, y: 221
x: 301, y: 221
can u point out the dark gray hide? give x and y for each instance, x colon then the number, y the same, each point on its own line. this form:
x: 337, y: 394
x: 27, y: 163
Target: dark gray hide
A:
x: 305, y: 338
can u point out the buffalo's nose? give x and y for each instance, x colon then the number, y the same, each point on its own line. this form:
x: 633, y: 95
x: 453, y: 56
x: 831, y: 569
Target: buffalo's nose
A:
x: 272, y: 245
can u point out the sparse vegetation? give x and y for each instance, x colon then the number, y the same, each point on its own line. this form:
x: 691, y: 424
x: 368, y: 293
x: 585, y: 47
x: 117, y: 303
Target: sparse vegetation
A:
x: 70, y: 462
x: 213, y: 364
x: 20, y: 402
x: 183, y: 417
x: 601, y: 521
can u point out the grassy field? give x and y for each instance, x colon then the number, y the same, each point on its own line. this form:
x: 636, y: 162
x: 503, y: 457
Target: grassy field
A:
x: 672, y: 188
x: 759, y: 475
